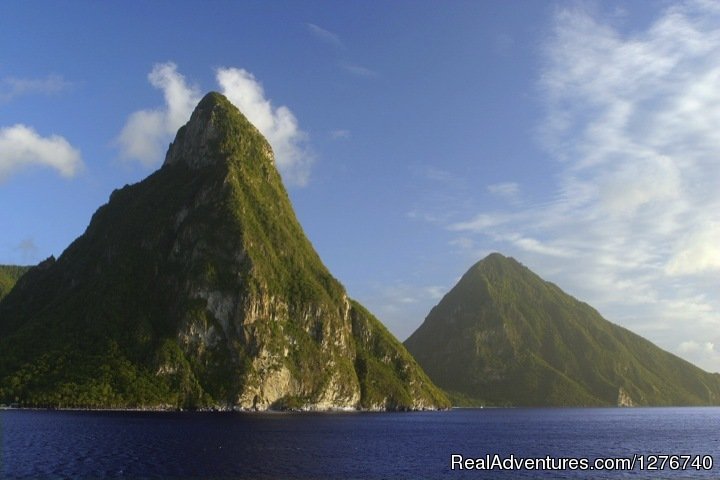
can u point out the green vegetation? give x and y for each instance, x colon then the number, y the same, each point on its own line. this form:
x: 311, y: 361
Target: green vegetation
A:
x: 503, y: 336
x: 194, y: 288
x: 9, y: 275
x: 381, y: 361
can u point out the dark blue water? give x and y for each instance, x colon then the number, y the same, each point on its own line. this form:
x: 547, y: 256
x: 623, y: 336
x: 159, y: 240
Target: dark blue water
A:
x: 52, y: 444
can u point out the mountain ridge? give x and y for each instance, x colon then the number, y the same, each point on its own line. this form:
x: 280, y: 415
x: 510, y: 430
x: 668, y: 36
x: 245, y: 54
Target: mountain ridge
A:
x: 504, y: 336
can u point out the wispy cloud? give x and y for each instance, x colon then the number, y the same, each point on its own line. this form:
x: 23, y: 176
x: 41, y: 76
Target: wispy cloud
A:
x: 21, y: 147
x: 147, y: 132
x: 633, y: 225
x: 483, y: 222
x: 359, y: 70
x: 12, y: 87
x: 331, y: 38
x: 325, y: 35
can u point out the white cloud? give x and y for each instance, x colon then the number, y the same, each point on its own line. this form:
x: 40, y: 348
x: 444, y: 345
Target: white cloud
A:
x: 698, y: 251
x: 698, y: 351
x: 180, y: 98
x: 633, y: 224
x: 12, y: 87
x: 278, y: 124
x: 21, y: 146
x: 692, y: 346
x: 147, y: 132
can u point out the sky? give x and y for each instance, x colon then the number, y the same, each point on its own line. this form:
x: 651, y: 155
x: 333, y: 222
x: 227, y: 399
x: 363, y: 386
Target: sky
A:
x: 414, y: 137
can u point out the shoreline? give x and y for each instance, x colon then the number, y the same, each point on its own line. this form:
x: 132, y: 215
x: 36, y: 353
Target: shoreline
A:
x: 222, y: 410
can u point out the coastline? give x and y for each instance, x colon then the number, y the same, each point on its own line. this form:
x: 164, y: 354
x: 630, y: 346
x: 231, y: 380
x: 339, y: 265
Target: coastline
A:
x: 161, y: 409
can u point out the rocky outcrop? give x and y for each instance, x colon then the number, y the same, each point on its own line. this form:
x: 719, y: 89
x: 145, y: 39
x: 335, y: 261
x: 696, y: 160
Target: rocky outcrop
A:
x: 624, y: 399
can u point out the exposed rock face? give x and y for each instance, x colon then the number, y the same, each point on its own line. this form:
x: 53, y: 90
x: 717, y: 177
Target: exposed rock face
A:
x: 503, y: 336
x: 198, y: 287
x: 624, y: 399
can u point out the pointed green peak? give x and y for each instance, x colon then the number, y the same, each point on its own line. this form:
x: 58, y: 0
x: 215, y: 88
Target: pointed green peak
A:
x: 491, y: 276
x: 495, y: 264
x: 495, y: 258
x: 216, y: 132
x: 505, y: 336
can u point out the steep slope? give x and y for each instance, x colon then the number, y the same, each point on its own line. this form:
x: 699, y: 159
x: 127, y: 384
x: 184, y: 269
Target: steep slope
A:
x: 9, y: 274
x: 197, y: 287
x: 503, y: 336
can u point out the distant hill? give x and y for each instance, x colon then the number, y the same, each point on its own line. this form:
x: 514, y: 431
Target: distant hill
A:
x: 197, y: 287
x: 9, y: 274
x: 503, y: 336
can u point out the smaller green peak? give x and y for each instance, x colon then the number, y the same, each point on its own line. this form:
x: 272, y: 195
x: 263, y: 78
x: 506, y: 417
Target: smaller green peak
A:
x: 497, y: 263
x: 495, y: 259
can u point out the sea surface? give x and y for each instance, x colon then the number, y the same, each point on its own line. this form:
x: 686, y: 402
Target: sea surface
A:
x: 418, y: 445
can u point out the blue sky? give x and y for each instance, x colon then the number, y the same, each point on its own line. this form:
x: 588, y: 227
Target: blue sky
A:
x: 414, y: 138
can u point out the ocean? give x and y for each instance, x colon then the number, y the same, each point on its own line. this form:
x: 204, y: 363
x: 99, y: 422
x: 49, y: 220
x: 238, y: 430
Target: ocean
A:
x: 461, y: 443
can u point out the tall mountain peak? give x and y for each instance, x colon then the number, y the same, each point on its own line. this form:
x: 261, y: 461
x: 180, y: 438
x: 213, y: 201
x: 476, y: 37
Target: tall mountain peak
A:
x: 198, y: 287
x: 215, y: 132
